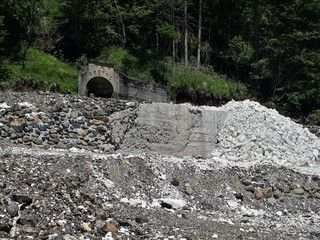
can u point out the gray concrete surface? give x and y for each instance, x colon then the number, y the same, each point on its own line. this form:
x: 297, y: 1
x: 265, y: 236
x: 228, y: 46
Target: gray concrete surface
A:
x: 178, y: 130
x: 133, y: 89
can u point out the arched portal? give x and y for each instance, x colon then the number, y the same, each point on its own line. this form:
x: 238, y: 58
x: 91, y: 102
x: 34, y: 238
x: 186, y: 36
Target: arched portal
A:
x: 100, y: 87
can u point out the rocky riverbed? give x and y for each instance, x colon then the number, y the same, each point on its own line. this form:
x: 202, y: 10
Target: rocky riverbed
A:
x: 64, y: 175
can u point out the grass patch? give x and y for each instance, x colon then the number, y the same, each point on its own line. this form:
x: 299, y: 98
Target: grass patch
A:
x: 220, y: 85
x: 42, y: 71
x: 316, y: 113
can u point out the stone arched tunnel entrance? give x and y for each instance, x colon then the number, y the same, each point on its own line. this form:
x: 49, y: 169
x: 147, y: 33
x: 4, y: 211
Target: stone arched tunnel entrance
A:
x: 103, y: 80
x: 100, y: 87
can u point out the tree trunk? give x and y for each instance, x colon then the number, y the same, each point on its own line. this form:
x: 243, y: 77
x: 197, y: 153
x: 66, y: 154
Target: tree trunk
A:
x: 173, y: 41
x: 26, y: 47
x: 256, y: 21
x: 173, y: 54
x: 124, y: 38
x: 199, y: 34
x: 186, y: 33
x: 157, y: 42
x: 24, y: 55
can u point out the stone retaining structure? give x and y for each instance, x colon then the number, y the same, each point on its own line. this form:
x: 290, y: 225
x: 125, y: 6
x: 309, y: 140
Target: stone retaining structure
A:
x: 108, y: 125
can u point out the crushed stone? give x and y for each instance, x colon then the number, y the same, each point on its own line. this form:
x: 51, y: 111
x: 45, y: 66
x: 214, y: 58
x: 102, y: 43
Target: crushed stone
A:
x: 253, y: 133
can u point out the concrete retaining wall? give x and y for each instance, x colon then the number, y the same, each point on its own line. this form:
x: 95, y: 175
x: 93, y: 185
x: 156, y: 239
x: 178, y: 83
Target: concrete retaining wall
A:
x: 133, y: 89
x: 175, y: 129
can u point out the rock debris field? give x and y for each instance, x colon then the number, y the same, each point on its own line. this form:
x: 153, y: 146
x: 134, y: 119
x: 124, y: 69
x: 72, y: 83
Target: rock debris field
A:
x: 75, y: 168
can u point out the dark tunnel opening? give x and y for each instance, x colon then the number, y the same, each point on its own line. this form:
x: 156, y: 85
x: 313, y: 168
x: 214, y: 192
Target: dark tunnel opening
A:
x: 100, y: 87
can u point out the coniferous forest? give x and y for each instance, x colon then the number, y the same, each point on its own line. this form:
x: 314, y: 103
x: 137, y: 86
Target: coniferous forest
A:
x: 268, y: 50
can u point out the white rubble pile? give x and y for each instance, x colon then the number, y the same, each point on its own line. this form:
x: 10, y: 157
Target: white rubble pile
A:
x: 254, y: 133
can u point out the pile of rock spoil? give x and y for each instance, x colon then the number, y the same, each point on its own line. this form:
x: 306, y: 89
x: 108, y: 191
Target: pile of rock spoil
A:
x: 253, y: 133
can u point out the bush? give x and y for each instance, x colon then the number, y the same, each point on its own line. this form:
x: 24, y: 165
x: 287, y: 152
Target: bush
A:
x: 270, y: 104
x: 316, y: 113
x: 117, y: 56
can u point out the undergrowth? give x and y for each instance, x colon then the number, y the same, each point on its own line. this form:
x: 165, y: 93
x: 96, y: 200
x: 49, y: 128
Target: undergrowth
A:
x: 316, y: 113
x: 148, y: 66
x: 144, y: 66
x: 219, y: 85
x: 41, y: 72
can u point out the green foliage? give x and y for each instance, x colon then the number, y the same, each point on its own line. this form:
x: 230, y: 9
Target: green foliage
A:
x: 27, y: 15
x: 81, y: 62
x: 117, y: 56
x: 261, y: 68
x: 2, y: 31
x: 192, y: 79
x: 3, y: 70
x: 44, y: 70
x: 270, y: 104
x: 303, y: 101
x: 285, y: 37
x: 50, y: 12
x: 167, y: 31
x: 141, y: 65
x: 241, y: 51
x: 316, y: 113
x: 87, y: 27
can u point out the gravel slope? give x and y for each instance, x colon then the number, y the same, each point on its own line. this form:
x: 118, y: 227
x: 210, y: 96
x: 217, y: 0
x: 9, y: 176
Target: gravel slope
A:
x: 84, y: 191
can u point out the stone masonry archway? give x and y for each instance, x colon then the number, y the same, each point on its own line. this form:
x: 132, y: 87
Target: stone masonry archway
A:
x: 103, y: 80
x: 100, y: 87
